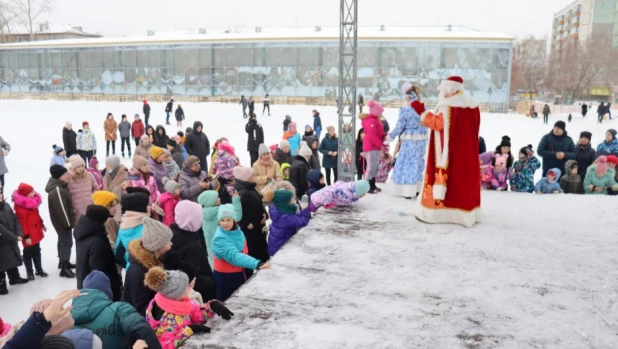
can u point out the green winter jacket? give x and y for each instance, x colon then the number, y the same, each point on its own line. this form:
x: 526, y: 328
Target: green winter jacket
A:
x: 113, y: 322
x: 604, y: 182
x: 210, y: 222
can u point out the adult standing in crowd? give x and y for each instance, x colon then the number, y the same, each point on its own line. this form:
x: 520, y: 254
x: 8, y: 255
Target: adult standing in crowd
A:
x: 180, y: 116
x: 360, y: 159
x: 266, y: 104
x: 5, y: 148
x: 329, y: 148
x: 265, y: 168
x: 192, y: 181
x: 160, y: 137
x: 168, y: 110
x: 86, y: 143
x: 125, y: 135
x: 146, y: 110
x: 610, y: 145
x: 137, y: 130
x: 115, y: 175
x: 317, y: 124
x: 81, y: 186
x: 111, y: 133
x: 361, y: 103
x: 197, y: 144
x: 143, y: 149
x: 243, y: 102
x: 62, y: 215
x: 255, y: 137
x: 69, y: 139
x: 482, y: 146
x: 584, y: 154
x: 556, y: 148
x: 282, y: 154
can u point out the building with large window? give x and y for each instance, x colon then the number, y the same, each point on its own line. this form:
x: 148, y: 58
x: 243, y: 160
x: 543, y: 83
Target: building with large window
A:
x: 304, y: 63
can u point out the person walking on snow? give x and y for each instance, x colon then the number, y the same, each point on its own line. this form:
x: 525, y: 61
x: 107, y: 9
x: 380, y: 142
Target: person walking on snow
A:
x: 255, y: 137
x: 266, y: 104
x: 601, y: 112
x: 125, y: 134
x: 86, y: 143
x: 69, y: 139
x: 372, y: 144
x: 146, y: 110
x: 546, y: 113
x: 180, y: 116
x: 251, y: 103
x: 584, y: 110
x: 243, y: 102
x: 62, y: 215
x: 317, y: 124
x: 168, y: 110
x: 111, y: 133
x: 137, y: 130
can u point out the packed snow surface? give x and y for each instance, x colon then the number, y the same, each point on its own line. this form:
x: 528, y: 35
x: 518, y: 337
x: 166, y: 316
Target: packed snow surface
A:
x: 539, y: 272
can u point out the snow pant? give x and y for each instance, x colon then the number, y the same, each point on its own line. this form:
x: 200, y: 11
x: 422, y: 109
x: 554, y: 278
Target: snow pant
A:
x: 137, y: 139
x: 33, y: 254
x: 113, y: 147
x: 167, y: 119
x: 228, y: 283
x: 124, y: 140
x: 266, y: 105
x: 545, y: 118
x: 244, y: 113
x: 86, y: 155
x: 373, y: 164
x: 600, y: 119
x: 65, y: 243
x: 254, y: 157
x: 609, y: 113
x: 584, y: 114
x: 2, y: 184
x: 146, y: 117
x: 328, y: 171
x: 12, y: 273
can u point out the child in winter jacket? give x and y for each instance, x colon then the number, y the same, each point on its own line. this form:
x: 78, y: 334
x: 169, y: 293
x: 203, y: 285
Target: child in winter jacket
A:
x: 173, y: 316
x: 487, y: 170
x: 232, y: 264
x: 549, y: 184
x: 340, y: 194
x: 600, y: 178
x: 293, y: 137
x: 224, y: 166
x: 140, y: 177
x: 612, y: 162
x: 501, y: 174
x: 210, y: 201
x: 571, y: 182
x: 93, y: 165
x: 26, y: 205
x: 316, y: 181
x: 522, y: 177
x: 385, y: 165
x: 59, y: 157
x: 285, y: 171
x: 167, y: 202
x: 285, y: 221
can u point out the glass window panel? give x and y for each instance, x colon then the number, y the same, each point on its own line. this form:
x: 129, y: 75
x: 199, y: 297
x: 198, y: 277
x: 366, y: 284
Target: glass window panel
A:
x: 231, y: 76
x: 469, y: 57
x: 389, y: 56
x: 450, y: 57
x: 22, y: 59
x: 204, y: 76
x: 304, y: 56
x: 56, y: 59
x: 179, y: 56
x: 259, y: 55
x: 118, y: 58
x: 501, y: 59
x: 273, y: 56
x: 129, y: 57
x: 288, y: 56
x: 204, y: 56
x: 95, y: 57
x: 367, y: 56
x: 154, y: 56
x: 74, y: 59
x: 33, y: 59
x: 167, y: 57
x: 498, y: 78
x: 43, y: 57
x: 245, y: 56
x: 410, y: 60
x: 191, y: 57
x: 106, y: 58
x: 231, y: 56
x: 219, y: 54
x: 141, y: 57
x: 218, y: 76
x: 83, y: 58
x: 429, y: 57
x: 331, y: 57
x: 484, y: 57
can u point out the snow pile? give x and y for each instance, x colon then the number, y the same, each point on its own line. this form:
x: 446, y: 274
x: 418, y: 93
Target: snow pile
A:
x: 533, y: 275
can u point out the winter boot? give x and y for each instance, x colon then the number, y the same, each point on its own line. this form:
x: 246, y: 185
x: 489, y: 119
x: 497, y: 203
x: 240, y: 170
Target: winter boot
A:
x: 123, y: 155
x: 372, y: 186
x: 3, y: 289
x: 29, y: 271
x: 66, y: 272
x: 71, y: 265
x: 15, y: 278
x: 38, y: 266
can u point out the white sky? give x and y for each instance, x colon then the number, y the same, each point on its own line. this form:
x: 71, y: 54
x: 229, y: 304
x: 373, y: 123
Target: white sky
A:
x: 135, y: 17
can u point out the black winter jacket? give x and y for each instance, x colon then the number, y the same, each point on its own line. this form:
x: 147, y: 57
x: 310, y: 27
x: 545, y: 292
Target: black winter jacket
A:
x: 298, y: 175
x: 186, y: 245
x: 550, y: 145
x: 197, y: 143
x: 180, y: 114
x: 282, y: 158
x: 255, y: 136
x: 146, y: 109
x: 482, y: 146
x: 314, y: 162
x: 10, y: 230
x: 178, y: 156
x: 252, y: 213
x: 161, y: 140
x: 169, y: 107
x: 69, y: 139
x: 61, y: 212
x: 93, y: 249
x: 135, y: 292
x: 585, y: 156
x: 360, y: 160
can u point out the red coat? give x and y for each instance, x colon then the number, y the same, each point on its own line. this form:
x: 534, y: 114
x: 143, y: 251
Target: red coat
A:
x: 27, y: 211
x: 374, y: 132
x: 137, y: 129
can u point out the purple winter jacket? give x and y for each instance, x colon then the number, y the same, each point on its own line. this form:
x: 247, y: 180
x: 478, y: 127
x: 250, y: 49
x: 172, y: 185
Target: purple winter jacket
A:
x: 284, y: 226
x: 160, y: 171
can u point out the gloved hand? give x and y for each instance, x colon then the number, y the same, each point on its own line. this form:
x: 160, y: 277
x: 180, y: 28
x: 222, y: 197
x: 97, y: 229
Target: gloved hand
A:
x: 199, y: 329
x: 418, y: 107
x: 220, y: 309
x: 312, y: 207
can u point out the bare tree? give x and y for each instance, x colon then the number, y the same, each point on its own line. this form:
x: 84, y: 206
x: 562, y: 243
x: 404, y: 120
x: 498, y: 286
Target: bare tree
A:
x: 529, y: 67
x: 28, y: 11
x: 7, y: 19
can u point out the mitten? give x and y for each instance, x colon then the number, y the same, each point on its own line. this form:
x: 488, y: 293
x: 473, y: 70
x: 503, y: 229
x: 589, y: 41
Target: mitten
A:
x: 220, y: 309
x: 418, y: 107
x: 199, y: 329
x: 312, y: 207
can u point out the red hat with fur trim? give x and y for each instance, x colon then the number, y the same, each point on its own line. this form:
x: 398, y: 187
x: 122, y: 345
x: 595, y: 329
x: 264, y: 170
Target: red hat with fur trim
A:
x: 612, y: 159
x: 226, y: 147
x: 24, y: 189
x: 456, y: 79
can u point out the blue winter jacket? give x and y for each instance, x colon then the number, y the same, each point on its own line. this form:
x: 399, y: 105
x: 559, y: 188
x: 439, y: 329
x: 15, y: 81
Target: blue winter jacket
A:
x: 125, y: 236
x: 30, y: 334
x: 294, y: 143
x: 608, y: 148
x: 57, y: 160
x: 317, y: 122
x: 522, y: 179
x: 314, y: 181
x: 546, y: 187
x: 228, y: 246
x: 284, y: 226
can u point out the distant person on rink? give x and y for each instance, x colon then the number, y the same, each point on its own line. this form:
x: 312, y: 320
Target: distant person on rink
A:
x: 168, y: 110
x: 146, y: 110
x: 243, y: 102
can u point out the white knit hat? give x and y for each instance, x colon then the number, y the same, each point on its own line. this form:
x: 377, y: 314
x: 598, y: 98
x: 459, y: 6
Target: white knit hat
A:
x: 305, y: 151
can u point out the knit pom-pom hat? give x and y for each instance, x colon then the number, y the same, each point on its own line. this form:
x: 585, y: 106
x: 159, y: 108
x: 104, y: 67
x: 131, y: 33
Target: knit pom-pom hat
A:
x: 375, y: 108
x: 172, y: 284
x: 601, y: 169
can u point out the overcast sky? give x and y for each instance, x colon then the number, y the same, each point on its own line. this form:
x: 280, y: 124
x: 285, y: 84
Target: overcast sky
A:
x: 135, y: 17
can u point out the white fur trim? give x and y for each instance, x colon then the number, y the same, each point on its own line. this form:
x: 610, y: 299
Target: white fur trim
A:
x: 423, y: 115
x: 439, y: 192
x: 461, y: 100
x: 448, y: 86
x: 447, y: 216
x: 405, y: 190
x: 443, y: 151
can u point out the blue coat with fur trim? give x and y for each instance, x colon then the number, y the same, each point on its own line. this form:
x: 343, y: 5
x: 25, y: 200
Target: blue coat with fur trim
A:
x: 284, y: 226
x: 546, y: 187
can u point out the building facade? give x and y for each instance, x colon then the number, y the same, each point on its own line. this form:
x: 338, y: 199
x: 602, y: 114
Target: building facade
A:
x: 47, y: 32
x: 300, y: 63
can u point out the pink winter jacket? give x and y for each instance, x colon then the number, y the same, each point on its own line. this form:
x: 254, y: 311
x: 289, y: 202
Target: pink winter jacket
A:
x: 136, y: 179
x: 81, y: 191
x: 97, y: 176
x: 374, y: 132
x: 338, y: 194
x: 168, y: 203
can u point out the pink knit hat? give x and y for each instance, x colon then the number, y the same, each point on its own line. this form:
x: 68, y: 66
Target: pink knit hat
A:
x: 601, y: 169
x: 243, y: 173
x: 188, y: 215
x: 59, y: 324
x: 76, y: 161
x: 292, y: 124
x: 226, y: 147
x: 94, y: 162
x: 501, y: 160
x: 375, y: 108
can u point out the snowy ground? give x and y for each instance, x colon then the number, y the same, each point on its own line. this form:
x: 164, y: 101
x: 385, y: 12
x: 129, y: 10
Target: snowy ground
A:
x: 402, y: 281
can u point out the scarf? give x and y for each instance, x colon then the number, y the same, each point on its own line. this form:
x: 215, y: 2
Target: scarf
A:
x: 132, y: 219
x: 181, y: 307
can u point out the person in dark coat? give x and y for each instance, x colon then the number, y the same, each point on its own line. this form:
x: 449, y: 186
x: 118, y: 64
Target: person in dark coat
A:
x: 255, y: 137
x: 69, y: 139
x: 482, y: 146
x: 168, y: 110
x: 609, y: 110
x: 360, y: 160
x: 329, y: 148
x: 146, y: 110
x: 584, y: 112
x: 317, y: 123
x: 556, y: 148
x: 385, y: 124
x: 161, y: 137
x: 62, y: 216
x: 546, y: 113
x: 361, y: 103
x: 144, y: 254
x: 243, y: 101
x: 10, y: 257
x: 187, y: 247
x: 300, y: 171
x: 282, y: 154
x: 197, y: 144
x: 286, y: 123
x: 600, y: 112
x: 314, y: 162
x: 93, y: 249
x: 180, y: 115
x: 176, y: 151
x: 266, y: 104
x: 254, y: 215
x: 315, y: 178
x: 251, y: 104
x: 584, y: 154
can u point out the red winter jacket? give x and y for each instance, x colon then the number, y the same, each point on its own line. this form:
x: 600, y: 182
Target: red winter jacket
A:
x: 374, y: 132
x: 27, y: 211
x: 137, y: 129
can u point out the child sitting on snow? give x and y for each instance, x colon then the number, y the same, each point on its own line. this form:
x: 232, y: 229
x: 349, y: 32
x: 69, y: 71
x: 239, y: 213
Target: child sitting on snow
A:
x: 210, y: 202
x: 487, y: 170
x: 522, y: 178
x: 173, y: 316
x: 316, y: 182
x: 285, y: 171
x: 224, y: 167
x: 93, y: 167
x: 340, y: 194
x: 549, y: 184
x: 26, y: 205
x: 285, y: 221
x: 501, y: 174
x: 571, y: 182
x: 232, y: 263
x: 385, y: 165
x: 166, y: 204
x: 59, y: 158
